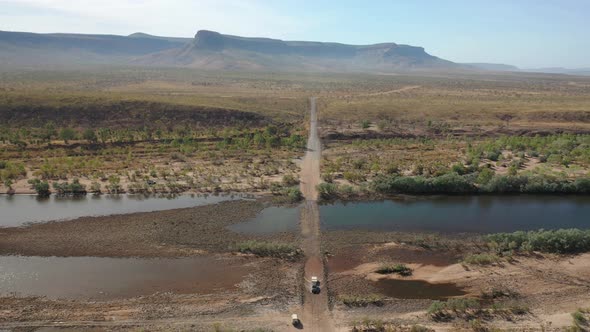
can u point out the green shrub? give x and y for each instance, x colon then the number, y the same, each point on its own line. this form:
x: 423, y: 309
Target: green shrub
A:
x: 12, y: 170
x: 74, y: 188
x: 481, y: 259
x: 67, y: 134
x: 581, y: 319
x: 400, y: 269
x: 269, y: 249
x: 562, y: 241
x: 440, y: 309
x: 293, y: 194
x: 493, y: 155
x: 327, y: 190
x: 484, y: 176
x: 41, y: 187
x: 451, y: 183
x: 354, y: 177
x: 289, y: 180
x: 362, y: 301
x: 505, y: 184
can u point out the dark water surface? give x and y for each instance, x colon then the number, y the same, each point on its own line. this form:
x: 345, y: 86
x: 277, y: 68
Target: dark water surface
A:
x: 21, y: 209
x: 109, y: 278
x: 452, y: 214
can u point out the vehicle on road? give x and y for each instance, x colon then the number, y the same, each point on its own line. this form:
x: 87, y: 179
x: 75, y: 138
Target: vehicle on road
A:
x: 315, y: 285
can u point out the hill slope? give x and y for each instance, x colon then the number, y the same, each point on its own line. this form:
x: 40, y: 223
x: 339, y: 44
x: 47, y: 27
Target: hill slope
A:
x: 213, y: 50
x: 32, y: 49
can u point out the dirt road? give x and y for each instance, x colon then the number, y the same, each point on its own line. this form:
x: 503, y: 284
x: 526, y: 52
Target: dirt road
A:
x: 316, y: 315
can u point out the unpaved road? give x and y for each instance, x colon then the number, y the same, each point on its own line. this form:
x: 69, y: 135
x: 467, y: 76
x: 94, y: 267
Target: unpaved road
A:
x: 316, y: 314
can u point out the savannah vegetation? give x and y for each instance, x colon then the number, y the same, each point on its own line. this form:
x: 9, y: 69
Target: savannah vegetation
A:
x: 556, y: 163
x: 173, y: 130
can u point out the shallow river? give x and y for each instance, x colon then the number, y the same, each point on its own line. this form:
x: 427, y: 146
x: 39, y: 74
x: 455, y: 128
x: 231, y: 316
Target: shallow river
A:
x: 451, y: 214
x: 21, y: 209
x: 106, y: 278
x: 109, y: 278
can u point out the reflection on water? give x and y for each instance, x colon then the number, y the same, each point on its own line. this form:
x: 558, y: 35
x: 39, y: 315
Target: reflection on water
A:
x: 108, y: 278
x: 21, y: 209
x: 479, y: 214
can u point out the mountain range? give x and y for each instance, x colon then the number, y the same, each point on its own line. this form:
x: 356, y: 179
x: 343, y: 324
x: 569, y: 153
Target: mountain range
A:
x: 212, y: 50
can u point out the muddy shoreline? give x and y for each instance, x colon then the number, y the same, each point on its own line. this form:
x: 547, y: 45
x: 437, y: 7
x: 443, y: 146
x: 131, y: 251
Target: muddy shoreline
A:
x: 169, y: 233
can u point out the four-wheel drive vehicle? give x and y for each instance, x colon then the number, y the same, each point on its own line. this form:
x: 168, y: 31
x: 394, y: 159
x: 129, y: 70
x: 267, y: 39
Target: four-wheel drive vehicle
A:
x: 315, y: 285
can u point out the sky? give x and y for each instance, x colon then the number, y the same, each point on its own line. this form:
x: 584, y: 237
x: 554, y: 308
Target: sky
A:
x: 525, y: 33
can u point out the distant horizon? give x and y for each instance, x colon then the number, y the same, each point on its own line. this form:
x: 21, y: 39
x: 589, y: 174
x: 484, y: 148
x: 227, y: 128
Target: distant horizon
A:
x: 528, y: 34
x: 293, y: 40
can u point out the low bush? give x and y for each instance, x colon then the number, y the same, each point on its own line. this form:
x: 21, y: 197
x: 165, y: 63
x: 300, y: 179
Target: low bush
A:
x: 289, y: 180
x: 270, y: 249
x: 451, y: 183
x: 362, y: 301
x: 74, y: 188
x: 581, y: 319
x: 400, y: 269
x: 41, y: 187
x: 443, y: 309
x: 327, y: 190
x: 483, y: 182
x: 481, y: 259
x: 561, y: 241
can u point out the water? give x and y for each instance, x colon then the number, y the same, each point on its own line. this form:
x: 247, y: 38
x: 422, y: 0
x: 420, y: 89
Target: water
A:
x: 22, y: 209
x: 109, y: 278
x: 417, y: 289
x: 449, y: 214
x: 269, y: 221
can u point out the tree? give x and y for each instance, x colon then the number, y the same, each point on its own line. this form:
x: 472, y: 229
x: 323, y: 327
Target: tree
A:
x: 41, y: 187
x: 104, y: 134
x: 90, y: 136
x: 67, y: 134
x: 48, y: 131
x: 8, y: 183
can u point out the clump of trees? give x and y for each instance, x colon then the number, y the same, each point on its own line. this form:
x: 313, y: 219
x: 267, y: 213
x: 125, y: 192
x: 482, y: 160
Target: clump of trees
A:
x: 362, y: 301
x: 66, y: 189
x: 41, y: 187
x: 479, y: 182
x: 561, y: 241
x: 270, y: 249
x: 401, y: 269
x: 11, y: 171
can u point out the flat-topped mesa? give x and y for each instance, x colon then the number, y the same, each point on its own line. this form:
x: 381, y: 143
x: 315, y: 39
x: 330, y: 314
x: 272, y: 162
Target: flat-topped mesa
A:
x: 215, y: 51
x: 210, y: 40
x: 215, y: 42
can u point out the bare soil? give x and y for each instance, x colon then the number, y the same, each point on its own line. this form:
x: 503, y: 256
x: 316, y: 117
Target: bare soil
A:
x: 551, y: 286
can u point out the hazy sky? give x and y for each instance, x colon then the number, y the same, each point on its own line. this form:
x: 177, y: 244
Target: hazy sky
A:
x: 526, y: 33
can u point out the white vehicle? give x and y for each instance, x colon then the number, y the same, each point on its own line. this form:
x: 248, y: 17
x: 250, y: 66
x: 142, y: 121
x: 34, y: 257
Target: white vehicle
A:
x: 315, y: 281
x: 315, y: 285
x: 295, y: 320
